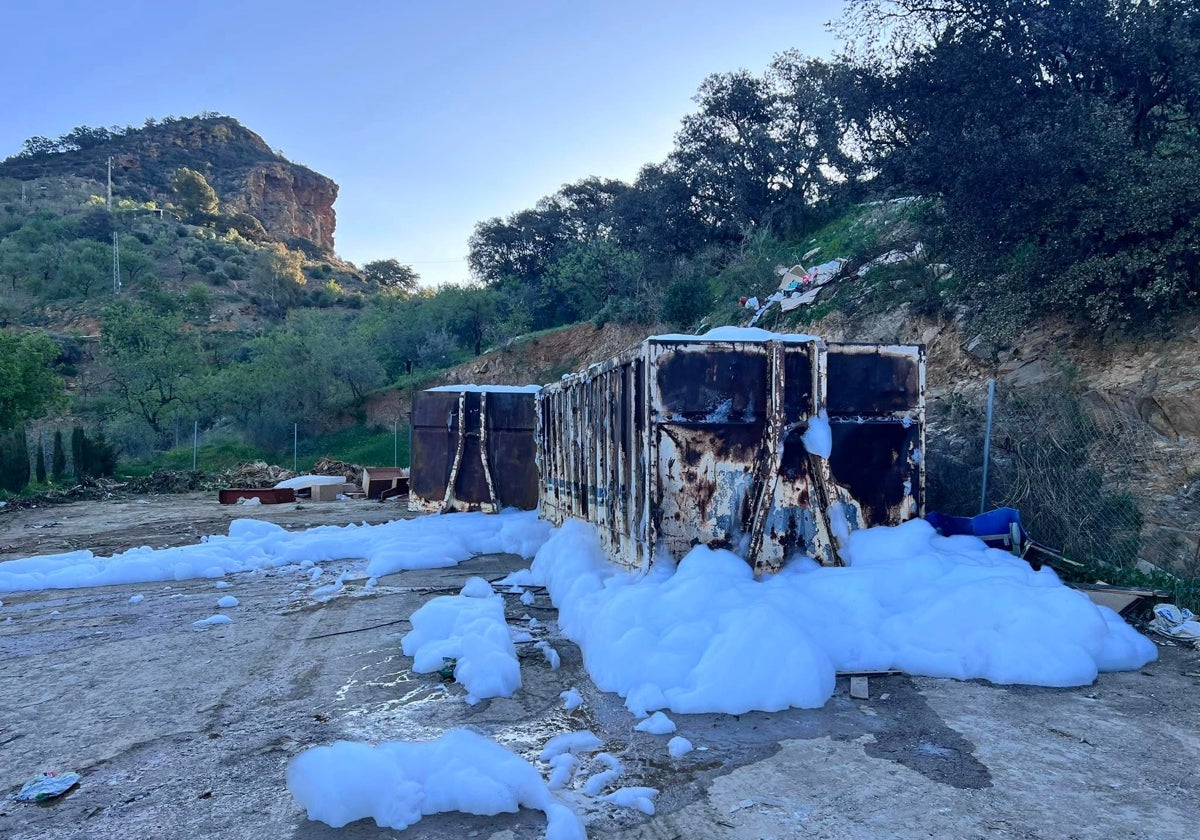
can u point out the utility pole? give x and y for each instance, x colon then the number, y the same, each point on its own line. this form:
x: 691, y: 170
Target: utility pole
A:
x: 116, y: 260
x: 116, y: 266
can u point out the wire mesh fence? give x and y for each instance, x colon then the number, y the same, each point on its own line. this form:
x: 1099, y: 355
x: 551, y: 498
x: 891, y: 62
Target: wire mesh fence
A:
x: 1089, y: 479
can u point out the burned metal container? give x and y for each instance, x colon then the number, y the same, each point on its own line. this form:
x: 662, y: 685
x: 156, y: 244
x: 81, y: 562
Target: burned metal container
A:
x: 686, y: 440
x: 473, y: 448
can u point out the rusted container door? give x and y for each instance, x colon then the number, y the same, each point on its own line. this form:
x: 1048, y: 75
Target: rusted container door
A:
x: 731, y: 468
x: 473, y: 450
x: 875, y: 396
x: 434, y: 442
x: 512, y: 449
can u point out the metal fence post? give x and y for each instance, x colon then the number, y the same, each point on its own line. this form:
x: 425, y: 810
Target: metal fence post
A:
x: 987, y: 444
x: 195, y: 442
x: 295, y: 447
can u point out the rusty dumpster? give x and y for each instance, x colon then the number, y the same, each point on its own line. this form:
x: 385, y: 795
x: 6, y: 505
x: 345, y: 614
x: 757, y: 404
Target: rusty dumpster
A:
x: 265, y: 495
x: 687, y: 440
x: 473, y: 448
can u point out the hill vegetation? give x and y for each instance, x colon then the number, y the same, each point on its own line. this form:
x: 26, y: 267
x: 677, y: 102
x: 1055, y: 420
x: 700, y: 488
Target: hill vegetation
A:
x: 1044, y: 155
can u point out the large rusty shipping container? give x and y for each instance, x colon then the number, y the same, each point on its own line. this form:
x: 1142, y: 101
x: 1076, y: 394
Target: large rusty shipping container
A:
x: 687, y: 440
x: 473, y: 448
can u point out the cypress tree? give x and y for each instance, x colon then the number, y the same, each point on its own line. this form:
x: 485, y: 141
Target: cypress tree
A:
x: 14, y: 460
x: 58, y: 466
x: 77, y: 453
x: 41, y: 461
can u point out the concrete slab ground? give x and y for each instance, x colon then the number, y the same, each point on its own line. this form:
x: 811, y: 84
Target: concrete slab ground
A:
x: 180, y: 733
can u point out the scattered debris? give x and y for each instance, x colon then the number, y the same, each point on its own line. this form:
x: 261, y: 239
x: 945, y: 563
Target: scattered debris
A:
x: 255, y: 474
x: 1176, y: 623
x: 46, y: 786
x: 327, y: 465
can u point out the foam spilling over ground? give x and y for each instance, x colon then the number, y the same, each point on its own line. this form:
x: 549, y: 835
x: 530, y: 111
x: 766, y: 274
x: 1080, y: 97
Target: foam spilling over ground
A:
x: 469, y: 628
x: 423, y: 543
x: 707, y: 637
x: 397, y: 783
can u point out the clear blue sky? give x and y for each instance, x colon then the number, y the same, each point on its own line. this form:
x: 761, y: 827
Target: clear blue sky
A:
x: 431, y: 115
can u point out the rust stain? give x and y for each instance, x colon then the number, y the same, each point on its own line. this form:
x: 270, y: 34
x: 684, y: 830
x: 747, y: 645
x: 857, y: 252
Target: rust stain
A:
x: 680, y: 443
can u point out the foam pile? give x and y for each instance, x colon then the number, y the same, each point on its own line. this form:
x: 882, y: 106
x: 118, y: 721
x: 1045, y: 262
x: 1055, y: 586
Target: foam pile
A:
x: 708, y: 637
x: 469, y: 628
x: 397, y: 783
x: 422, y: 543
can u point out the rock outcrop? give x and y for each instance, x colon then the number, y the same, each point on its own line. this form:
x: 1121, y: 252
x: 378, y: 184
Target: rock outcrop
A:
x: 291, y: 201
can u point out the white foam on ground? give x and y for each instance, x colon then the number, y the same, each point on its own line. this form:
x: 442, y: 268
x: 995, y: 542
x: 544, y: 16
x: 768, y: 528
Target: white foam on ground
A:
x: 212, y: 621
x: 679, y: 746
x: 691, y: 639
x: 641, y: 798
x: 613, y: 769
x: 657, y: 724
x: 470, y: 628
x: 422, y: 543
x: 570, y: 742
x: 397, y: 783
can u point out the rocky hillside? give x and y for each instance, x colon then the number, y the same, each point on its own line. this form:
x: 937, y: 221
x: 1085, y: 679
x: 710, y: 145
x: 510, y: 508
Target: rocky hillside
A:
x: 290, y: 201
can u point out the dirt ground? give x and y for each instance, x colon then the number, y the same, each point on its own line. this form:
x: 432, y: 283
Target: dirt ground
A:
x: 180, y: 733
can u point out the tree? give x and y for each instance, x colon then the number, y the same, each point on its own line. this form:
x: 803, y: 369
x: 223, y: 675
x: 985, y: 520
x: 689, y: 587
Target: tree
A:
x: 14, y: 459
x: 58, y: 464
x: 277, y: 278
x: 1057, y: 136
x: 135, y: 262
x: 523, y: 246
x: 40, y: 460
x: 591, y: 276
x: 392, y: 274
x: 194, y: 195
x: 28, y: 384
x: 467, y: 312
x: 762, y: 151
x: 84, y: 265
x: 91, y: 456
x: 152, y: 364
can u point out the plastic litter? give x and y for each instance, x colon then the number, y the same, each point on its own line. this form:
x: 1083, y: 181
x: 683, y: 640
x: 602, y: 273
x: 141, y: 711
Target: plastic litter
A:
x: 47, y: 786
x: 1176, y: 623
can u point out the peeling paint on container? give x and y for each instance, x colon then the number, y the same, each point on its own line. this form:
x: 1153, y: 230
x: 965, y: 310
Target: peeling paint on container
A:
x: 473, y: 449
x: 683, y: 441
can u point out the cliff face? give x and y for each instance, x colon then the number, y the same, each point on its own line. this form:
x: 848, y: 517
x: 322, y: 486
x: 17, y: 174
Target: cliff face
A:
x: 291, y: 201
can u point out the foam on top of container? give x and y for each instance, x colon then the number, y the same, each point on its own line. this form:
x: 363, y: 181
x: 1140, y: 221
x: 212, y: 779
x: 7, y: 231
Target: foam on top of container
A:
x: 489, y: 389
x: 739, y: 334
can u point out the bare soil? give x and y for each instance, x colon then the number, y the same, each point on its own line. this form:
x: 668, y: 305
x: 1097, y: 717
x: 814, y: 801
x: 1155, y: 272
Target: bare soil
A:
x: 160, y: 521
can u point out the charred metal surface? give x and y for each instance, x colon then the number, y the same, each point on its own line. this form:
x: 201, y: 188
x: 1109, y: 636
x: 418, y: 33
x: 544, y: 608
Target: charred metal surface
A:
x: 678, y: 443
x: 473, y: 450
x: 870, y: 379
